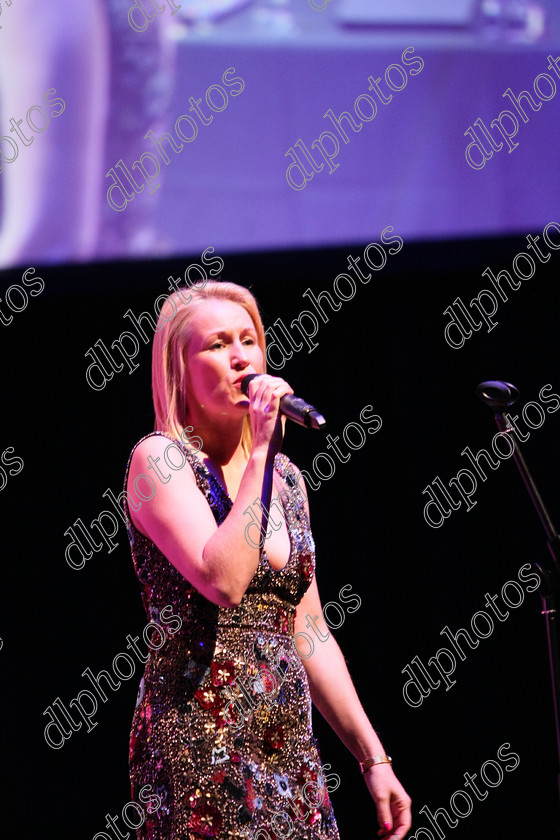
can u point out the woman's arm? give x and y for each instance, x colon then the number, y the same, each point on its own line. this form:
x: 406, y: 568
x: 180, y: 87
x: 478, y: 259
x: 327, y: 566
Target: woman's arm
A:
x: 219, y: 561
x: 333, y: 693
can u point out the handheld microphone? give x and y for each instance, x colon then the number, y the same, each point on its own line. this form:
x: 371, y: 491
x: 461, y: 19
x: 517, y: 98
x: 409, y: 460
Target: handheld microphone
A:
x: 292, y: 407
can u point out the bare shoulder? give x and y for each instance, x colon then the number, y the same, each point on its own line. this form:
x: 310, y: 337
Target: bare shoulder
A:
x: 158, y: 451
x: 160, y: 474
x: 168, y: 507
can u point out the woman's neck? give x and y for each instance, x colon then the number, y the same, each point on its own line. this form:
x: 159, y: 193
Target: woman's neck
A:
x: 222, y: 444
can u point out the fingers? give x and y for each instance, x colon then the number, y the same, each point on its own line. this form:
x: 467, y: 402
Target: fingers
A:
x: 265, y: 393
x: 393, y: 807
x: 265, y: 388
x: 384, y: 817
x: 402, y: 819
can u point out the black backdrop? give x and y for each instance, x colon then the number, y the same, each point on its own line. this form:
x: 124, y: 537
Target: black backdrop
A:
x: 385, y: 347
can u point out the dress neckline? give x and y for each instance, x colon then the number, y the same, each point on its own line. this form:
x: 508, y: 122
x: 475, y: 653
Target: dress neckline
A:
x: 212, y: 479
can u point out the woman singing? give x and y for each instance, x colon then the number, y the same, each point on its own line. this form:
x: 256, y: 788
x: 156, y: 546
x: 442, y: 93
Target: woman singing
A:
x: 222, y: 727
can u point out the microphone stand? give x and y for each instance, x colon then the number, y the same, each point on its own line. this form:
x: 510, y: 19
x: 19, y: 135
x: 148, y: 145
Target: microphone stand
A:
x: 499, y: 396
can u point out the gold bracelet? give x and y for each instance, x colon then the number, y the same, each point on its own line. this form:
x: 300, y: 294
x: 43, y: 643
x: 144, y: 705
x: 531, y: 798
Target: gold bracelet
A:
x: 377, y: 759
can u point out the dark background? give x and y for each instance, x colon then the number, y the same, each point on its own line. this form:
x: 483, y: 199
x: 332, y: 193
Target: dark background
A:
x: 385, y: 348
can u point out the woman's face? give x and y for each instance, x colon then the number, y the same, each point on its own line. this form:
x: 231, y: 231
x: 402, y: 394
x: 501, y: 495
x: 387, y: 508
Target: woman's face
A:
x: 222, y: 350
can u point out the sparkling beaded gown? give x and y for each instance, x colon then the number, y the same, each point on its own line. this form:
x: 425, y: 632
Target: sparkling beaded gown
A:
x: 222, y: 725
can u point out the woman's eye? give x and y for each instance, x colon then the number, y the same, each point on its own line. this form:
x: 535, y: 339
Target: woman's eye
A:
x: 249, y: 341
x: 216, y: 345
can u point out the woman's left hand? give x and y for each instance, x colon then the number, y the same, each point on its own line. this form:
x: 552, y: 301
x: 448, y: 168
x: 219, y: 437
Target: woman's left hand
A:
x: 392, y: 802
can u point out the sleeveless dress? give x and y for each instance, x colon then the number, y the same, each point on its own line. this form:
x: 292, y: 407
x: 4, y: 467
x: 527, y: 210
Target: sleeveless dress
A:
x: 222, y: 726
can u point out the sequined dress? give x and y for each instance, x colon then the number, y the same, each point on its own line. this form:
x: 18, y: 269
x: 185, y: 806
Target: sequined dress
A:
x: 222, y: 725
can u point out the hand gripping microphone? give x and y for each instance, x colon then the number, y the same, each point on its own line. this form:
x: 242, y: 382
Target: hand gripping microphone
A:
x: 292, y: 407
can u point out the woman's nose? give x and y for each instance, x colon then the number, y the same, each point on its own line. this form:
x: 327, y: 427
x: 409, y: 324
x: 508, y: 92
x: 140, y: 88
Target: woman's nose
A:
x: 239, y: 354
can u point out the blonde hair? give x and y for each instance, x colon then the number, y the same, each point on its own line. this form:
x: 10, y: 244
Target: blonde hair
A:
x: 171, y: 340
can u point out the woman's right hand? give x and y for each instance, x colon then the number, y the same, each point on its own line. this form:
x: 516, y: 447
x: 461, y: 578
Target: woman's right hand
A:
x: 267, y: 422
